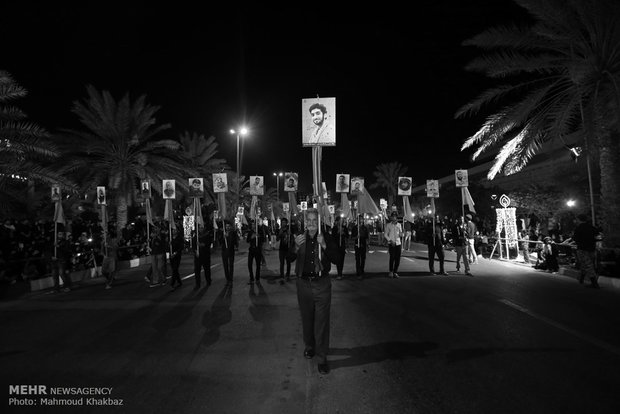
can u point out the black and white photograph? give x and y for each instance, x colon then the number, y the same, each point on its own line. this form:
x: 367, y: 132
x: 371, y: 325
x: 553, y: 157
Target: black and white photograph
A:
x: 196, y: 187
x: 220, y: 183
x: 290, y: 181
x: 357, y: 185
x: 494, y: 289
x: 256, y: 185
x: 318, y: 121
x: 342, y: 183
x: 168, y: 189
x: 101, y: 195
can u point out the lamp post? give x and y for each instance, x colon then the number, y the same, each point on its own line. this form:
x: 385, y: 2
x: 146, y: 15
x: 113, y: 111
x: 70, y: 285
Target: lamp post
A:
x: 278, y: 175
x: 239, y: 133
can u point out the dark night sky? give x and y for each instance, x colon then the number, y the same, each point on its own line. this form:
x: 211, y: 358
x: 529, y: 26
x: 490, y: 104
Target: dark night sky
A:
x: 397, y: 74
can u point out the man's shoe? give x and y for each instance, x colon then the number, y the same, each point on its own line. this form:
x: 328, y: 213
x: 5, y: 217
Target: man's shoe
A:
x: 468, y: 273
x: 433, y: 273
x: 323, y: 368
x: 445, y: 273
x: 390, y: 274
x: 309, y: 353
x: 395, y: 275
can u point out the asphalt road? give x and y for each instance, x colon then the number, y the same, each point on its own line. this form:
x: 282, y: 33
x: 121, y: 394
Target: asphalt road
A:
x: 510, y: 339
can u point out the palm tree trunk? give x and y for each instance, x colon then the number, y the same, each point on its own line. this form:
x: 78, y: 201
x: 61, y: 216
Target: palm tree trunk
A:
x: 610, y: 188
x: 121, y: 213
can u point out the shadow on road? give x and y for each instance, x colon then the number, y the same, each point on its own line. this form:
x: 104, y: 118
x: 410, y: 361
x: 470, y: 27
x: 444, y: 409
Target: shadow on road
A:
x: 219, y: 315
x: 397, y: 350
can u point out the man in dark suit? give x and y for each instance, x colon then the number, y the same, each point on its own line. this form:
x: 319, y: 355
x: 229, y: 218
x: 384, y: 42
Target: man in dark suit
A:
x: 313, y: 253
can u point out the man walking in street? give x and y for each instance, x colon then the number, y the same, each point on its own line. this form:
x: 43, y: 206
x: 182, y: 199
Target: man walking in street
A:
x: 460, y: 245
x: 255, y: 251
x: 314, y: 252
x: 585, y: 237
x: 470, y: 229
x: 360, y: 240
x: 393, y: 234
x: 228, y: 241
x: 286, y: 243
x: 178, y: 243
x: 202, y: 256
x: 340, y: 234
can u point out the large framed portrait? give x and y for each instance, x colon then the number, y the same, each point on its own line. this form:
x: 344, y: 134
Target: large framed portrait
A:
x: 196, y: 187
x: 404, y: 186
x: 256, y: 185
x: 357, y: 185
x: 432, y: 188
x: 220, y: 183
x: 318, y: 117
x: 290, y: 181
x: 169, y: 191
x: 342, y: 183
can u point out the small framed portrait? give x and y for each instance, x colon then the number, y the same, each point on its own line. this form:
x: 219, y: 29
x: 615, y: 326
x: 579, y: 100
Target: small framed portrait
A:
x: 101, y: 197
x: 304, y: 205
x: 332, y: 209
x: 145, y: 189
x: 220, y: 183
x: 169, y: 189
x: 432, y: 188
x: 342, y: 183
x: 256, y: 185
x: 240, y: 210
x: 55, y: 194
x: 196, y: 187
x: 404, y: 186
x: 285, y: 207
x: 318, y: 122
x: 290, y: 181
x: 357, y: 185
x: 461, y: 179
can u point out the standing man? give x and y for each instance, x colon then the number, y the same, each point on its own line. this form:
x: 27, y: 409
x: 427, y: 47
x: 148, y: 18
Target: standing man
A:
x: 314, y: 287
x: 228, y: 241
x: 178, y: 243
x: 255, y: 251
x: 460, y: 245
x: 61, y: 263
x: 108, y: 267
x: 393, y: 234
x: 435, y: 242
x: 340, y: 234
x: 286, y: 243
x: 470, y: 228
x: 158, y: 249
x: 360, y: 240
x: 585, y: 237
x: 202, y: 256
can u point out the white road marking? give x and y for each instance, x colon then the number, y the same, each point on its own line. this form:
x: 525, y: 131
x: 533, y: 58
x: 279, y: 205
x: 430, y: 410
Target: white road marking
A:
x: 601, y: 344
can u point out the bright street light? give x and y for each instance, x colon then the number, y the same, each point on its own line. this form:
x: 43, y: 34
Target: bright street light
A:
x: 278, y: 175
x: 240, y: 132
x: 571, y: 203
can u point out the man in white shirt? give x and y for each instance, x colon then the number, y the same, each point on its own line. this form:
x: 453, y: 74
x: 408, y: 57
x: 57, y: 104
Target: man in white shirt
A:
x: 393, y: 234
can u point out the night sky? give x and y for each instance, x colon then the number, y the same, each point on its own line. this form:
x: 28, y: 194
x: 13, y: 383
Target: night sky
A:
x: 397, y: 75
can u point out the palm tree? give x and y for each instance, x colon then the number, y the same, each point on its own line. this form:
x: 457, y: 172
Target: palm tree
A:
x: 386, y: 176
x: 26, y: 151
x: 200, y: 153
x: 565, y: 70
x: 120, y: 147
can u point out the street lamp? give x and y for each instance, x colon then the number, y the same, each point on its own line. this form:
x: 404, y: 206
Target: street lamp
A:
x: 240, y: 132
x: 278, y: 175
x: 571, y: 203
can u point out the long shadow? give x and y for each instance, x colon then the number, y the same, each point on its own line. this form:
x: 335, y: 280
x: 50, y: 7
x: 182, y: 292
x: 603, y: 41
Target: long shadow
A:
x: 262, y: 310
x: 458, y: 355
x: 182, y: 311
x: 219, y: 315
x: 395, y: 350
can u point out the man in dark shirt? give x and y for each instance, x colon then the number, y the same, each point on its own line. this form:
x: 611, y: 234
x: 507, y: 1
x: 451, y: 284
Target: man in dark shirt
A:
x: 585, y: 237
x: 178, y: 243
x: 314, y: 252
x: 286, y: 243
x: 255, y: 250
x: 202, y: 256
x: 360, y: 240
x: 228, y: 241
x: 340, y: 234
